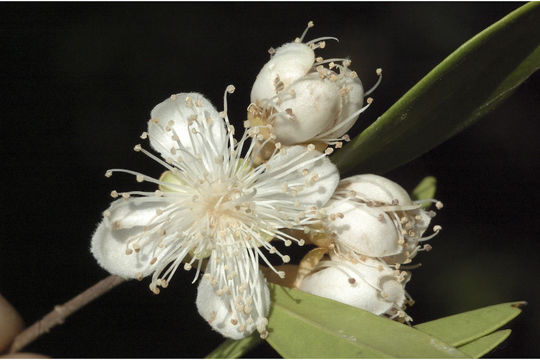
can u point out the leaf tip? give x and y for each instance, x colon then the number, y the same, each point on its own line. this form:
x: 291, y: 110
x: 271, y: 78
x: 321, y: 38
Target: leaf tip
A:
x: 519, y: 304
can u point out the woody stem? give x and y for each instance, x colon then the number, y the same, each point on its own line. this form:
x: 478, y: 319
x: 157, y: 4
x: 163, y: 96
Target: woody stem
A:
x: 61, y: 312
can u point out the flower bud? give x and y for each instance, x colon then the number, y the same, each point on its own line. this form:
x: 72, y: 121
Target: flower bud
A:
x: 372, y: 216
x: 370, y: 285
x: 304, y: 98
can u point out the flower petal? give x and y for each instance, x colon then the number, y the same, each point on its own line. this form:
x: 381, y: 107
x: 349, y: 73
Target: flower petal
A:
x: 309, y: 176
x: 290, y: 62
x: 352, y: 101
x: 314, y: 108
x: 122, y: 243
x: 366, y: 285
x: 376, y: 188
x: 362, y: 229
x: 125, y: 214
x: 172, y: 124
x: 224, y: 313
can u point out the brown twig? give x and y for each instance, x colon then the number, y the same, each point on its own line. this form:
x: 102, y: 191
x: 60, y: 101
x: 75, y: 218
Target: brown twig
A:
x: 61, y: 312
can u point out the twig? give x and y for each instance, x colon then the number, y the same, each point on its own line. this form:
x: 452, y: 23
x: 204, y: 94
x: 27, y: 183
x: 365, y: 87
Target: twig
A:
x: 61, y: 312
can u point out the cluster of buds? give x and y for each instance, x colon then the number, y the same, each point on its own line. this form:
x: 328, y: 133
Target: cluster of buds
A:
x: 306, y: 98
x: 370, y: 229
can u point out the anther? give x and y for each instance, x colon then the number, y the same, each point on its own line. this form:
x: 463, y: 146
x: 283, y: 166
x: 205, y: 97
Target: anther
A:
x: 140, y: 178
x: 437, y: 228
x: 108, y: 173
x: 114, y: 194
x: 137, y: 147
x: 439, y: 205
x: 230, y: 89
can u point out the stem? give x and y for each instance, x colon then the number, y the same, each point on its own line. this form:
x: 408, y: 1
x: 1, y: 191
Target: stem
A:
x: 61, y: 312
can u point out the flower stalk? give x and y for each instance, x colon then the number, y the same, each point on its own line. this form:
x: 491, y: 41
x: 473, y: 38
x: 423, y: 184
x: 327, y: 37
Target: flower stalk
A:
x: 61, y: 312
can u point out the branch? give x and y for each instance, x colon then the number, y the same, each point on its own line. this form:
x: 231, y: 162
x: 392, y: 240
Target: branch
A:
x: 61, y: 312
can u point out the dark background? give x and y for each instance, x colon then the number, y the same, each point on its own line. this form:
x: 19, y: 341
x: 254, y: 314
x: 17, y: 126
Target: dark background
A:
x: 79, y: 81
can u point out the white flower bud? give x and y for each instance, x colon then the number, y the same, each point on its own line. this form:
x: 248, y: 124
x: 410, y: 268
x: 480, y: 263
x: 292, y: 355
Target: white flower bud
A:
x: 378, y: 219
x: 362, y: 230
x: 369, y: 285
x: 306, y: 98
x: 315, y: 102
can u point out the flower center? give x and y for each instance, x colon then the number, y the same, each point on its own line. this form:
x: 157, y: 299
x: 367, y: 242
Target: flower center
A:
x: 219, y: 202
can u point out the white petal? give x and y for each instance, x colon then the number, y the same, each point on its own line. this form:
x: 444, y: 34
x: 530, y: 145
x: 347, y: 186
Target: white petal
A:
x: 358, y: 285
x: 109, y: 248
x: 376, y: 188
x: 315, y: 108
x: 174, y: 113
x: 422, y: 224
x: 126, y: 222
x: 298, y: 166
x: 290, y: 62
x: 125, y: 214
x: 220, y: 313
x: 353, y: 101
x: 364, y: 230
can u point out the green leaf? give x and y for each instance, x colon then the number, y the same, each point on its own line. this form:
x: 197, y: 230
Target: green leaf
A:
x: 482, y: 346
x: 468, y: 84
x: 425, y: 190
x: 233, y: 349
x: 463, y: 328
x: 307, y: 326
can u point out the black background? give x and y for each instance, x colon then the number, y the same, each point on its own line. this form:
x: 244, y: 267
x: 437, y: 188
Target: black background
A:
x: 79, y: 80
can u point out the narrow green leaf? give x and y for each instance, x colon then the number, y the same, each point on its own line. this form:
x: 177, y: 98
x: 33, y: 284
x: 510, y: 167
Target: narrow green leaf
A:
x: 468, y: 84
x: 483, y: 345
x: 307, y: 326
x: 233, y: 349
x: 463, y: 328
x: 425, y: 190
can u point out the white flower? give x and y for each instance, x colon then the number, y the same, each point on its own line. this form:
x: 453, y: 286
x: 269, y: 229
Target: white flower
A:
x: 372, y: 216
x: 213, y: 205
x: 369, y: 284
x: 302, y: 99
